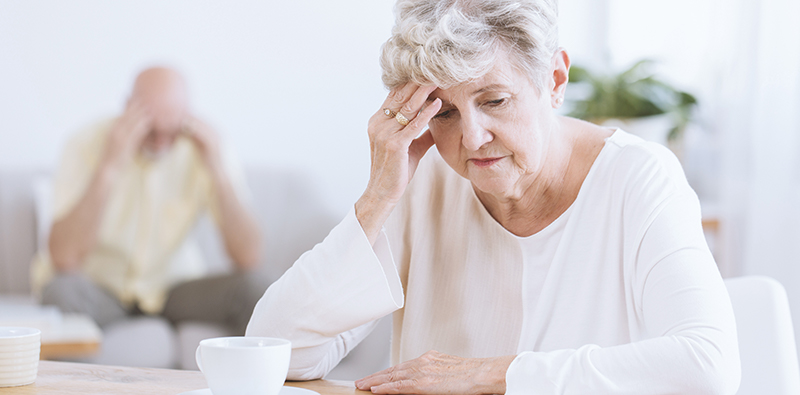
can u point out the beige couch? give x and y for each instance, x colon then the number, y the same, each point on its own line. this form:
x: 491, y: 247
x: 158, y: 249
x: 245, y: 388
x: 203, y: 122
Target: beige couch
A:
x: 293, y: 218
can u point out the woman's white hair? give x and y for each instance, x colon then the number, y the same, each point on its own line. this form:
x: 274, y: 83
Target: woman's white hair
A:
x: 450, y: 42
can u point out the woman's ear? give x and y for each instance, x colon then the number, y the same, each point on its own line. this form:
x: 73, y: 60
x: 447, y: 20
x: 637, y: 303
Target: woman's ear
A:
x: 561, y: 65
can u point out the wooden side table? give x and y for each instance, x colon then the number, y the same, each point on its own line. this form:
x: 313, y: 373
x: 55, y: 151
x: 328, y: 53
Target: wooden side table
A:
x: 63, y: 335
x: 77, y: 336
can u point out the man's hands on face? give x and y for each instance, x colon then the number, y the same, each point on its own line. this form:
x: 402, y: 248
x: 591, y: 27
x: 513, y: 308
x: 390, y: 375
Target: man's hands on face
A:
x: 132, y: 128
x: 127, y: 135
x: 205, y: 139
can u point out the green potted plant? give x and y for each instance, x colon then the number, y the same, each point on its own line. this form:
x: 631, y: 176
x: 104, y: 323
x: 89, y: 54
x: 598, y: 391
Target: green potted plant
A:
x: 633, y: 99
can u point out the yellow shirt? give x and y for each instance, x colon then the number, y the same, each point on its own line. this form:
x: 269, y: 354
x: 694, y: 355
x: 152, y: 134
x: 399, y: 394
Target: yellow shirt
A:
x: 142, y: 248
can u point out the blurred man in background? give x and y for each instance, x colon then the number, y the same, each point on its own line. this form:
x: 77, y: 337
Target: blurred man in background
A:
x: 127, y: 194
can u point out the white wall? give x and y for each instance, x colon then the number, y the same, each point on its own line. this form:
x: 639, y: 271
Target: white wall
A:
x: 757, y: 113
x: 676, y: 34
x: 583, y: 31
x: 289, y: 84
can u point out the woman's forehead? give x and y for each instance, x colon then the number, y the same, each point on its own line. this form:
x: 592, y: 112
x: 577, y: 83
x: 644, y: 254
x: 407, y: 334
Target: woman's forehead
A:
x: 502, y: 77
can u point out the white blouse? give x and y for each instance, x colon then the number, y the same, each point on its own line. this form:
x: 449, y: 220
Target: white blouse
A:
x: 619, y: 295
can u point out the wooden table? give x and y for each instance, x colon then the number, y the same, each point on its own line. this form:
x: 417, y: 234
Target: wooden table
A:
x: 78, y: 378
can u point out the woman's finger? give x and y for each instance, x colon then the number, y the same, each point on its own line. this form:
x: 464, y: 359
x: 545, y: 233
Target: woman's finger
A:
x: 394, y: 100
x: 420, y: 122
x: 402, y: 96
x: 372, y: 377
x: 394, y: 373
x: 398, y: 96
x: 373, y: 381
x: 415, y: 127
x: 407, y: 101
x: 411, y: 107
x: 410, y: 386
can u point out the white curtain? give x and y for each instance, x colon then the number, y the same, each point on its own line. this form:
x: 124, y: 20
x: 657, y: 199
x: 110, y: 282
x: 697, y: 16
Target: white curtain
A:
x: 757, y: 121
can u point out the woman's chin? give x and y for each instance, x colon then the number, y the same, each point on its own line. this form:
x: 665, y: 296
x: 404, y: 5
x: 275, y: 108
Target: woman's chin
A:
x: 495, y: 186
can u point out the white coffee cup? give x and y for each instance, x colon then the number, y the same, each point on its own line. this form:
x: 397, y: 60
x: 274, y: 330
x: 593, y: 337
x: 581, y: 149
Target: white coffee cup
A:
x: 19, y: 355
x: 244, y: 365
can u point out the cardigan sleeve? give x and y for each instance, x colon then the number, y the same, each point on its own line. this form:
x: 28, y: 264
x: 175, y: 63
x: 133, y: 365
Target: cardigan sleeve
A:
x: 330, y: 299
x: 691, y: 343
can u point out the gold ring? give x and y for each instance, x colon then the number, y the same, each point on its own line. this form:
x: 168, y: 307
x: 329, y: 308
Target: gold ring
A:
x: 389, y: 113
x: 401, y: 119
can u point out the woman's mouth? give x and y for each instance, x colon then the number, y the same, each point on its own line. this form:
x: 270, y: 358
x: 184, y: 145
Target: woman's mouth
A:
x: 485, y: 162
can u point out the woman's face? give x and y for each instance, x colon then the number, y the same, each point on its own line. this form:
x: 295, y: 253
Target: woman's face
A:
x: 496, y: 131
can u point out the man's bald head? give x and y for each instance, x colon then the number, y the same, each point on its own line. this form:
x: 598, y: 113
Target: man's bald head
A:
x: 160, y: 85
x: 163, y: 93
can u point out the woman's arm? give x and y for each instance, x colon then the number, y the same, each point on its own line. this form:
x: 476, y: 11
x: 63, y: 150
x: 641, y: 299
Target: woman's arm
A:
x: 395, y: 152
x: 325, y: 303
x: 332, y: 293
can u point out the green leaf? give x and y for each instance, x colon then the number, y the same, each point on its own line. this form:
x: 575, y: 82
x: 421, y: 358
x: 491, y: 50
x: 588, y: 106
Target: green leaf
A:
x: 632, y: 93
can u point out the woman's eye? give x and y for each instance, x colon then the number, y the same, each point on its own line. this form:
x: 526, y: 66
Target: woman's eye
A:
x: 443, y: 114
x: 496, y: 102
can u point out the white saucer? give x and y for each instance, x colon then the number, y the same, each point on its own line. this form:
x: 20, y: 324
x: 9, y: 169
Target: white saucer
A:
x: 286, y: 390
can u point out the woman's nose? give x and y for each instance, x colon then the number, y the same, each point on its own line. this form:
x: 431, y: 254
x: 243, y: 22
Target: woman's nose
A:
x: 474, y: 135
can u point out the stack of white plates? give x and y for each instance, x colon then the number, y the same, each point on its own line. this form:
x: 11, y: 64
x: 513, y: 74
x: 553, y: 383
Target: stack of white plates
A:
x: 19, y: 355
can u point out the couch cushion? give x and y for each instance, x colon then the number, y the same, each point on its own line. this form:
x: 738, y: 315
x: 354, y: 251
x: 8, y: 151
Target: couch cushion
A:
x: 17, y: 229
x: 140, y: 342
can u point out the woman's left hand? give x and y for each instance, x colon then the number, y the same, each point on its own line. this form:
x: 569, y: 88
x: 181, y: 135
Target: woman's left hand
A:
x: 437, y: 373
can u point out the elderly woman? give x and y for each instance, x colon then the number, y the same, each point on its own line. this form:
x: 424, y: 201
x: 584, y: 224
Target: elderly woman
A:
x: 533, y: 253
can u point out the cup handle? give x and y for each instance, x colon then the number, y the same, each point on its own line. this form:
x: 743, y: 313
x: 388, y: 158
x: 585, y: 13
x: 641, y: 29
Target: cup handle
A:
x: 197, y: 358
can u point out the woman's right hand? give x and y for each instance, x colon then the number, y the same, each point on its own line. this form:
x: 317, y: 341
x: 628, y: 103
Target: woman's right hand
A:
x: 395, y: 152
